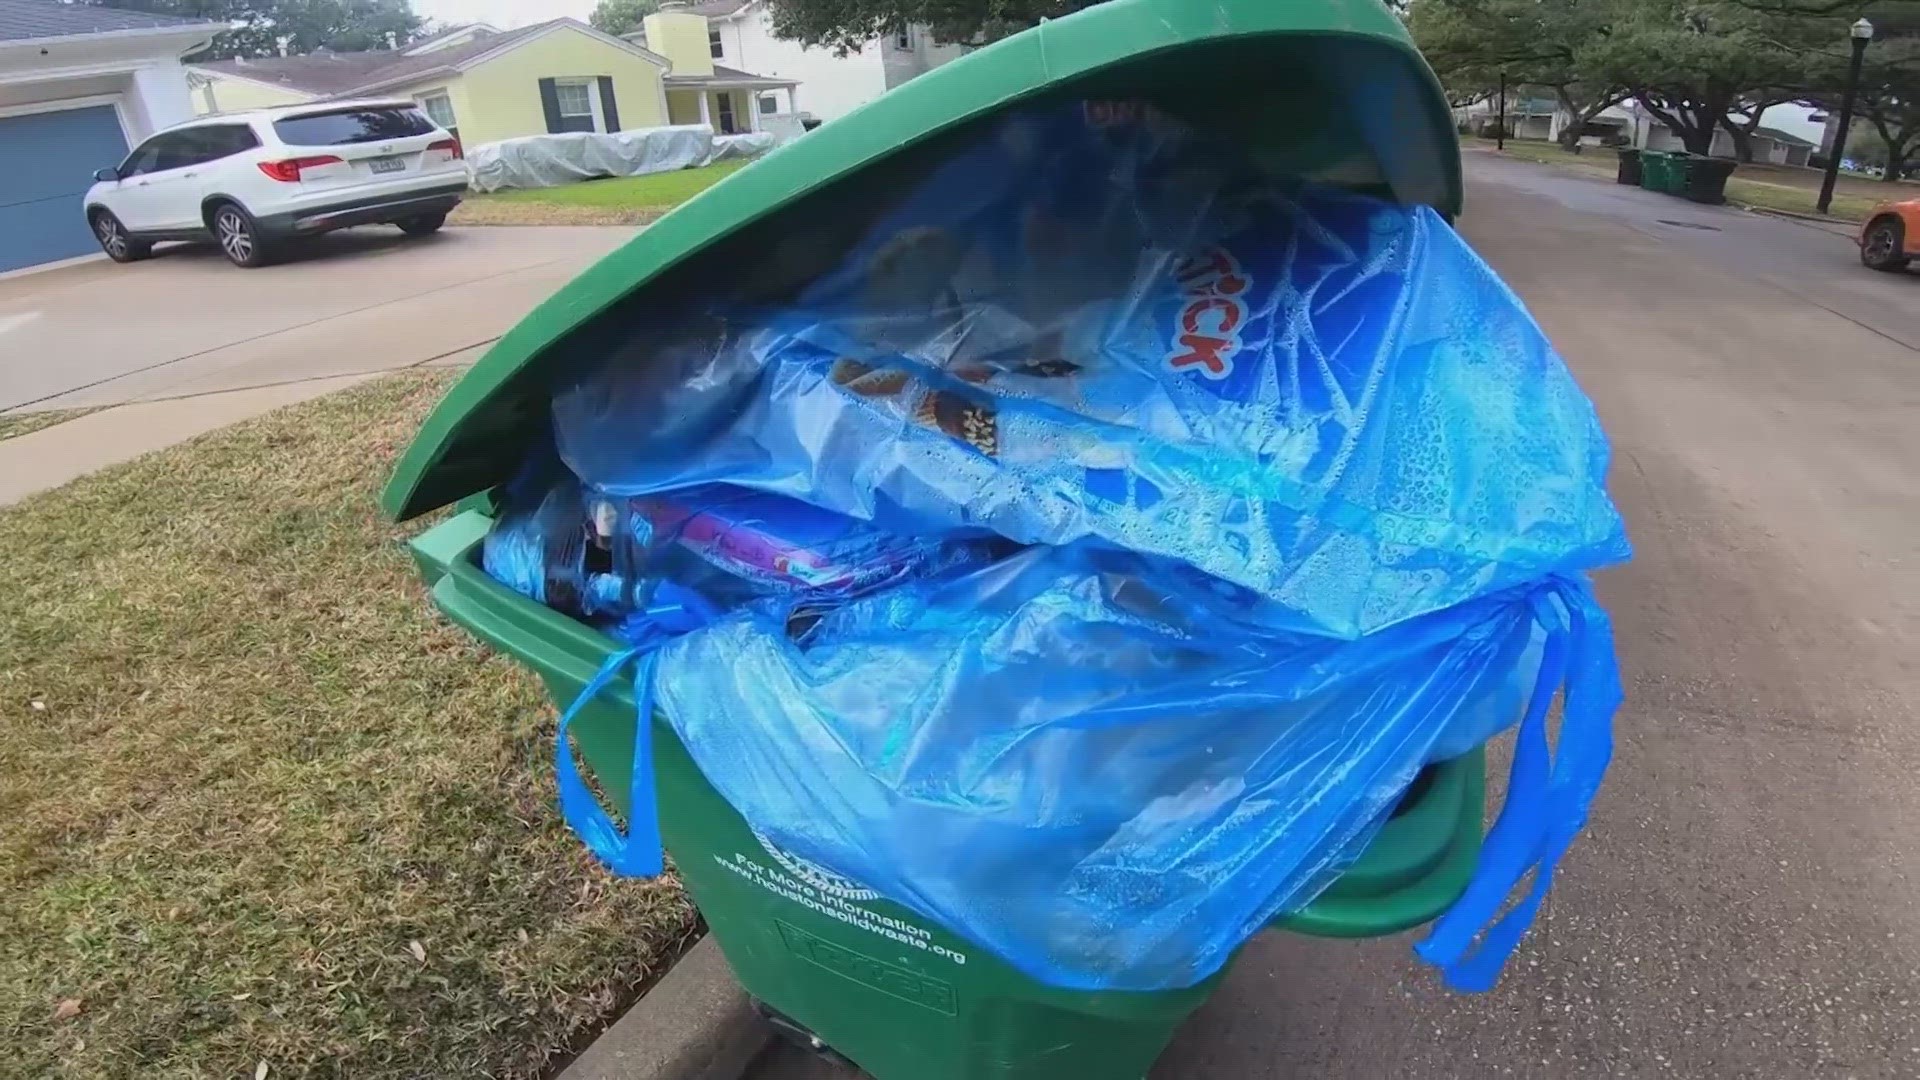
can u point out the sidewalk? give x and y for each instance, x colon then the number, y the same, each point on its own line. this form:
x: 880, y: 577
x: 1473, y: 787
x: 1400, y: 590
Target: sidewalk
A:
x: 52, y: 456
x: 45, y: 459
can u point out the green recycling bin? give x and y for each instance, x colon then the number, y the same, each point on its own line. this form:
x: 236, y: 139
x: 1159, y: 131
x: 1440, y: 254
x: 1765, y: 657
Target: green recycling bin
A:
x: 1656, y: 167
x: 829, y: 959
x: 882, y: 986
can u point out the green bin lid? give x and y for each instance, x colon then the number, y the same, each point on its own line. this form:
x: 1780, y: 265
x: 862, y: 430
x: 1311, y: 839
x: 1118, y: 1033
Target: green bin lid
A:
x: 1330, y: 90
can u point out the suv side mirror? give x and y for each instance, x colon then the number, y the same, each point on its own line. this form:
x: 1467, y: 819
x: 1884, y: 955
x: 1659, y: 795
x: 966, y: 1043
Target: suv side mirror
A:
x: 105, y: 175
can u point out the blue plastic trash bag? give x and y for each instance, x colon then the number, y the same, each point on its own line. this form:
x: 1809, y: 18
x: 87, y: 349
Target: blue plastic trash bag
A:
x: 1293, y: 498
x: 1323, y: 398
x: 1105, y: 771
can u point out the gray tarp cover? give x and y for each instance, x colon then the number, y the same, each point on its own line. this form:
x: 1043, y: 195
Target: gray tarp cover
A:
x: 537, y: 161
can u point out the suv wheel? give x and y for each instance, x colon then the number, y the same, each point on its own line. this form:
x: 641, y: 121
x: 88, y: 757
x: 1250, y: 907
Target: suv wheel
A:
x: 119, y: 244
x: 1880, y: 247
x: 424, y: 225
x: 239, y: 238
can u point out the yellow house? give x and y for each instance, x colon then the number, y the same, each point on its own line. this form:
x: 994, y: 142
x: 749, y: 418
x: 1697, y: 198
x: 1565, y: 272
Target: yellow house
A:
x: 486, y: 84
x: 700, y: 91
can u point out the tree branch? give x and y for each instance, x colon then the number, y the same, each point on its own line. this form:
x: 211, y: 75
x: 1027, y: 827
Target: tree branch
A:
x: 1815, y: 7
x: 1660, y: 114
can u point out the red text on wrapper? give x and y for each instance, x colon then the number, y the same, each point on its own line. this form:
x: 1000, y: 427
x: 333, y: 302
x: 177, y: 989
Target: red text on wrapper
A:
x: 1206, y: 334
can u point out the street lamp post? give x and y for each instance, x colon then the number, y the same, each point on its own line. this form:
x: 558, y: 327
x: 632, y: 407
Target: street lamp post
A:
x: 1862, y: 33
x: 1500, y: 132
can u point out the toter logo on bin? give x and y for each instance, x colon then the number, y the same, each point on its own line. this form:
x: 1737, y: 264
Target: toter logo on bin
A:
x: 816, y: 875
x: 1206, y: 334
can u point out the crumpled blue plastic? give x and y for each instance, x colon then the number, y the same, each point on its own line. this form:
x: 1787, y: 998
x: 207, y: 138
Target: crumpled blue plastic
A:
x: 1109, y: 782
x: 1365, y: 426
x: 1310, y: 495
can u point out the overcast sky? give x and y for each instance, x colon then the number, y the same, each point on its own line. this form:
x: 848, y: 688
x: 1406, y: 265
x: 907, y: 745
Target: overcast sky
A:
x: 501, y: 13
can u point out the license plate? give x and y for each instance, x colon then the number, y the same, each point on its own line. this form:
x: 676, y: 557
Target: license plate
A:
x: 387, y: 164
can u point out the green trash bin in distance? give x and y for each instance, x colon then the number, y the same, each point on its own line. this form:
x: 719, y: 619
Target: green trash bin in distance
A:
x: 904, y: 999
x: 1653, y: 169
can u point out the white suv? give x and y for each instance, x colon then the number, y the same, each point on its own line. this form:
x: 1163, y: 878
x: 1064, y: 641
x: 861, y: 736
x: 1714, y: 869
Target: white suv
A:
x: 252, y: 181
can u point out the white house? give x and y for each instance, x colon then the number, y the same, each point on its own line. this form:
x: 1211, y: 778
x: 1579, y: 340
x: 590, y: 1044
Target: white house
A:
x: 740, y: 35
x: 1786, y: 136
x: 1807, y: 123
x: 79, y: 86
x: 1772, y: 144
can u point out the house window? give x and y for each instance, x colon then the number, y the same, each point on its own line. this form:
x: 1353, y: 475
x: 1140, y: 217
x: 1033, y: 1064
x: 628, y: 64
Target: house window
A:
x: 579, y: 109
x: 714, y: 46
x: 440, y: 107
x: 768, y: 105
x: 725, y: 102
x: 904, y: 39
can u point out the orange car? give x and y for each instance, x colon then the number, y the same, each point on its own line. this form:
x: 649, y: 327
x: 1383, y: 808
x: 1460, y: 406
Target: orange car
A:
x: 1891, y: 235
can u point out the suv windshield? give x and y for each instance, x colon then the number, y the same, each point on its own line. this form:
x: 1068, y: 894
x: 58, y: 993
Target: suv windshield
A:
x: 355, y: 125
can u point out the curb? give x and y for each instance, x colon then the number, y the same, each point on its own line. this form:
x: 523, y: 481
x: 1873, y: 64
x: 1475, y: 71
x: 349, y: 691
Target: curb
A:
x: 1793, y: 215
x: 695, y: 1024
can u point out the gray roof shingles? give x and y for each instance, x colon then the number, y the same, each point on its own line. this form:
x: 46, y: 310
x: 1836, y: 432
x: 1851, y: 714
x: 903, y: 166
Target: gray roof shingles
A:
x: 323, y: 73
x: 339, y: 73
x: 25, y: 20
x: 721, y: 73
x: 334, y: 74
x: 714, y: 9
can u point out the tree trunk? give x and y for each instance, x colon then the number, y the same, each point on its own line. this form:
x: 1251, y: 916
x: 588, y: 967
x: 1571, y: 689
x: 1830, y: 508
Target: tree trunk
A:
x: 1899, y: 148
x: 1742, y: 144
x: 1702, y: 120
x: 1570, y: 131
x: 1742, y: 133
x: 1697, y: 138
x: 1692, y: 124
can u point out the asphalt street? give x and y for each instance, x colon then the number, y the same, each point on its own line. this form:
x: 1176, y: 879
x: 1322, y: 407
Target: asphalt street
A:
x: 1743, y: 903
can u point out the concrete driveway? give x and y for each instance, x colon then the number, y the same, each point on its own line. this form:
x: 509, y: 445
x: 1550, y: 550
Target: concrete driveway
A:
x: 360, y: 301
x: 1744, y: 902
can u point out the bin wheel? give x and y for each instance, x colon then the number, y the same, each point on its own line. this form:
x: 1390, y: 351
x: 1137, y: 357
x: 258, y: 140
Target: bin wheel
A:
x: 795, y: 1034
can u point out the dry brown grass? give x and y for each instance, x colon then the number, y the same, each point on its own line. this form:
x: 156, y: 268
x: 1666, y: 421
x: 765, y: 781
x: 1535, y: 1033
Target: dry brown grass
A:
x: 260, y: 804
x: 25, y: 423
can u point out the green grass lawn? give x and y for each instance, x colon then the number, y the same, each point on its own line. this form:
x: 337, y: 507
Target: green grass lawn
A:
x: 1598, y: 160
x: 1796, y: 199
x: 261, y: 805
x: 621, y: 200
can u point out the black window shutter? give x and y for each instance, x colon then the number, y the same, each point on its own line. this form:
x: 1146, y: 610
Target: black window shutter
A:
x: 550, y: 101
x: 608, y: 109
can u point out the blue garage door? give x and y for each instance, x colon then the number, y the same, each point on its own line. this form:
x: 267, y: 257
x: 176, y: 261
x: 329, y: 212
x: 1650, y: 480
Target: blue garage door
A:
x: 46, y: 166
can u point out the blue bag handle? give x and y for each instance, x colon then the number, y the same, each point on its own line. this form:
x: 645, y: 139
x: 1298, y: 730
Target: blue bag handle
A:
x: 1548, y: 793
x: 639, y: 853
